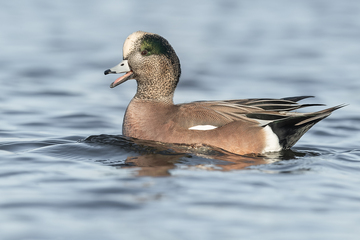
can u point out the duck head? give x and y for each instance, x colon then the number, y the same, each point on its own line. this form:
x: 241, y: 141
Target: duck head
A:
x: 152, y: 62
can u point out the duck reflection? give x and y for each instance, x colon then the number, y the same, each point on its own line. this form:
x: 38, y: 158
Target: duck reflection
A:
x: 151, y: 158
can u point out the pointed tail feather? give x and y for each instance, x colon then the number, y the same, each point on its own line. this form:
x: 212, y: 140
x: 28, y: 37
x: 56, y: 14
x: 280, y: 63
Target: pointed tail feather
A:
x: 290, y: 129
x: 296, y: 99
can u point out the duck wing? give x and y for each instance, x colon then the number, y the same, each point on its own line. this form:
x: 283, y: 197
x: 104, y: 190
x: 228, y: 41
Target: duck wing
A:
x: 276, y: 113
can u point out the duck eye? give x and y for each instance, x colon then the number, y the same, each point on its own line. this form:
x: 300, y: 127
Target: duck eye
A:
x: 144, y: 52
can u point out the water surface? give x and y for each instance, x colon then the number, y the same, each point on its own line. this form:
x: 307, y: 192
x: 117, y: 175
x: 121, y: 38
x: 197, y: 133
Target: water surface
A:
x: 68, y: 173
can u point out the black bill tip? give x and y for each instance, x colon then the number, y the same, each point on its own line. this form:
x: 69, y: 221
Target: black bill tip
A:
x: 106, y: 72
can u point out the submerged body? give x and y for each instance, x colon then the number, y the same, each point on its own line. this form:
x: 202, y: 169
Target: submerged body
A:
x: 238, y: 126
x: 168, y: 123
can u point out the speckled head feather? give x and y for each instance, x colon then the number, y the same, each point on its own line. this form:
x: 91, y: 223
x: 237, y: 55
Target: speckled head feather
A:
x: 155, y: 44
x: 155, y: 65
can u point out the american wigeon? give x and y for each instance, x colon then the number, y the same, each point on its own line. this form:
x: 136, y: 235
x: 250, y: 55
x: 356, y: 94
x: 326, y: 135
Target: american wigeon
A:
x: 239, y: 126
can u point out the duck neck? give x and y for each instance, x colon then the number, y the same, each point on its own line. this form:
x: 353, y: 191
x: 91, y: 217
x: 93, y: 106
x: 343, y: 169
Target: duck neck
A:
x: 159, y: 91
x: 158, y: 80
x: 157, y: 87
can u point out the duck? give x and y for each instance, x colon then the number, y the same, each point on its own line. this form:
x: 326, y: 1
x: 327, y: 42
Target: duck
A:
x: 240, y: 126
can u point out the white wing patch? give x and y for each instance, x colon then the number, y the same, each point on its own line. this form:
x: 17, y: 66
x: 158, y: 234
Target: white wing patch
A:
x: 203, y: 127
x: 272, y: 141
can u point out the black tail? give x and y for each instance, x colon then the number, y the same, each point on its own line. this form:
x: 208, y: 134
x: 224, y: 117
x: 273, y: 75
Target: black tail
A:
x: 290, y: 129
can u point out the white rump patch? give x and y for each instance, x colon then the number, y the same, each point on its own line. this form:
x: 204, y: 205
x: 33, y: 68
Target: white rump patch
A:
x: 271, y: 140
x: 203, y: 127
x: 130, y: 42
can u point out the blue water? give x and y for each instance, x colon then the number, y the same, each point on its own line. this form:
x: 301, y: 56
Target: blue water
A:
x: 67, y: 173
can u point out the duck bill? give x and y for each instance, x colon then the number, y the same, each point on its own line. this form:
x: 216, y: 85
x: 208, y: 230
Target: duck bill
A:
x: 122, y: 67
x: 122, y: 79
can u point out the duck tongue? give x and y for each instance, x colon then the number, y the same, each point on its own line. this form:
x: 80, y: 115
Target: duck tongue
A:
x: 121, y: 79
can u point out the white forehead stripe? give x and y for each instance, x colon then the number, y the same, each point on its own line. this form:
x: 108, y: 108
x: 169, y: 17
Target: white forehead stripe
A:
x: 203, y: 127
x: 130, y: 42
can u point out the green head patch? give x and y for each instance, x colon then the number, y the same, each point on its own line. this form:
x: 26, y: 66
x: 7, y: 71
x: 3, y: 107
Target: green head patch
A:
x: 152, y: 44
